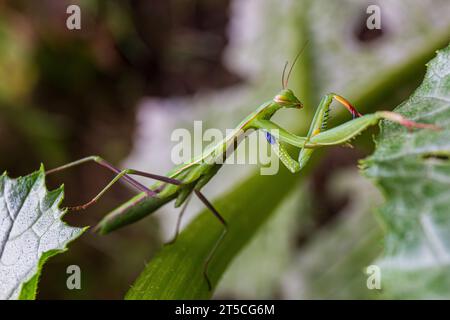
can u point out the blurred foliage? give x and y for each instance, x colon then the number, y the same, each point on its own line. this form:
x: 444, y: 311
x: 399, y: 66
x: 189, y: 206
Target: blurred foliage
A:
x: 332, y: 264
x: 74, y: 93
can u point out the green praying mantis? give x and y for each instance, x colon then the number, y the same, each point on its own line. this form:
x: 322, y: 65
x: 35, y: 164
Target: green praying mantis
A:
x: 189, y: 178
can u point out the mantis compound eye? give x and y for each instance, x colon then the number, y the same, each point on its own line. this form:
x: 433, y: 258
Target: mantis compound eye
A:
x: 281, y: 99
x: 288, y: 102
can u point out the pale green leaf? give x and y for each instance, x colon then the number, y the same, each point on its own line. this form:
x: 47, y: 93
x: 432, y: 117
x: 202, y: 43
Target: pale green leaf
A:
x: 31, y: 231
x: 413, y: 172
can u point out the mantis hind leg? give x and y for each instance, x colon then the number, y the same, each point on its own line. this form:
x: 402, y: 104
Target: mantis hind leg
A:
x: 320, y: 120
x: 124, y: 174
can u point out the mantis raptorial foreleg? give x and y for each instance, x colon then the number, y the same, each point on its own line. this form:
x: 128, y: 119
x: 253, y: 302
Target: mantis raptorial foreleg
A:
x: 320, y: 120
x: 280, y: 133
x: 282, y: 153
x: 318, y: 124
x: 349, y: 130
x: 336, y: 136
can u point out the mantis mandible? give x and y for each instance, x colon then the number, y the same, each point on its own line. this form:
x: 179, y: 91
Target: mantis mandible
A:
x: 189, y: 178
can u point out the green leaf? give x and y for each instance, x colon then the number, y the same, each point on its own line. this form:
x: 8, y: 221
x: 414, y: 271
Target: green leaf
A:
x: 412, y: 169
x: 31, y: 231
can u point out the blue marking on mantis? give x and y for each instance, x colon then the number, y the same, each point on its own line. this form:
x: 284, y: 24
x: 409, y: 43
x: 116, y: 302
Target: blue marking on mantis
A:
x: 270, y: 138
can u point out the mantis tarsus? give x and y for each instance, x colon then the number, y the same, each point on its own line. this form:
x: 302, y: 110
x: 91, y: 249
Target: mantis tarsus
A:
x: 189, y: 178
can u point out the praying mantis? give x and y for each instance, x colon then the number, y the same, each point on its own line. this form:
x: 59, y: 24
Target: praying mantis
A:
x: 189, y: 178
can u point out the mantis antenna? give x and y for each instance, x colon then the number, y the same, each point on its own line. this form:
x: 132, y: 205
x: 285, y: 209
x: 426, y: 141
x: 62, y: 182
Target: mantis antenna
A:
x: 285, y: 83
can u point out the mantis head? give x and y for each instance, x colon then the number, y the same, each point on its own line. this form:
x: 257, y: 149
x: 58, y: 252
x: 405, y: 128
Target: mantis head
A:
x: 287, y: 99
x: 284, y: 99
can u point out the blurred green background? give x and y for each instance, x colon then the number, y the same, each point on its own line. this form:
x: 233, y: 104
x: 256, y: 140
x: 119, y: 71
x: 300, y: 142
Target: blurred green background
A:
x: 139, y: 69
